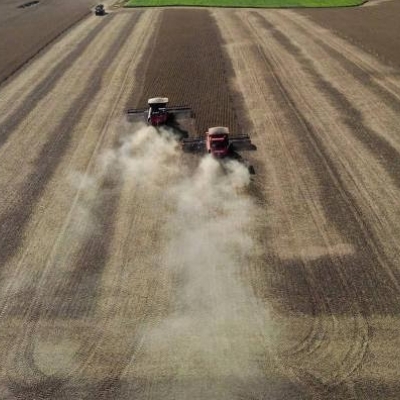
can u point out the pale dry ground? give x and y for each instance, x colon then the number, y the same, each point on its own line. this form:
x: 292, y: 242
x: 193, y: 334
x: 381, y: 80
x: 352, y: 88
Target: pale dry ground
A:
x: 120, y: 266
x: 325, y: 118
x: 58, y: 209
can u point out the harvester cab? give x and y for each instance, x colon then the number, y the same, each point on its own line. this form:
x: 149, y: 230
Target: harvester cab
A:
x: 178, y: 119
x: 157, y: 113
x: 218, y: 142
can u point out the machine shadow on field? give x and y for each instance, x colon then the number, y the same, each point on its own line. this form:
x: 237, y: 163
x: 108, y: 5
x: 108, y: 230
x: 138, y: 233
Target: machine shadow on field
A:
x: 345, y: 284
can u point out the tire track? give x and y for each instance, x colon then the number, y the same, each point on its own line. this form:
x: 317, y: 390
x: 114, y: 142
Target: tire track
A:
x: 317, y: 305
x: 372, y: 29
x: 133, y: 288
x: 376, y: 87
x: 139, y: 288
x: 13, y: 222
x: 310, y: 301
x: 22, y: 39
x: 20, y: 153
x: 93, y: 339
x: 189, y: 40
x: 127, y: 29
x: 370, y: 237
x: 91, y: 345
x: 16, y: 90
x: 69, y: 336
x: 183, y: 346
x: 375, y: 295
x: 77, y: 296
x: 262, y: 95
x: 197, y: 47
x: 292, y: 49
x: 324, y: 300
x: 368, y: 276
x: 23, y: 301
x: 47, y: 84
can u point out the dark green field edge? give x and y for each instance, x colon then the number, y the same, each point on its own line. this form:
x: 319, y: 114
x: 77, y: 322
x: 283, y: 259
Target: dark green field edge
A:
x: 247, y: 3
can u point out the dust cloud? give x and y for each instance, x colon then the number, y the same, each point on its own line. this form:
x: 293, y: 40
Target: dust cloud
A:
x: 215, y: 341
x: 83, y: 222
x: 217, y: 333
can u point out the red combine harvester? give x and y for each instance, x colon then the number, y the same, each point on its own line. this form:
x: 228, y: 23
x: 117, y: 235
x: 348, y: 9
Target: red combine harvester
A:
x: 218, y: 142
x: 158, y: 114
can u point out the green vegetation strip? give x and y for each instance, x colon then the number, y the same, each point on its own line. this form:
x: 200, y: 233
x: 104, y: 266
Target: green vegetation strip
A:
x: 245, y: 3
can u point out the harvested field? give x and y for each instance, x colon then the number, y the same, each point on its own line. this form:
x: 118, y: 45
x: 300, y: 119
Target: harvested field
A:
x: 244, y: 3
x: 373, y: 27
x: 188, y: 41
x: 24, y: 31
x: 129, y: 271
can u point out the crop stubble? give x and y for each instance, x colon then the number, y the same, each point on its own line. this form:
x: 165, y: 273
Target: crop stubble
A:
x: 329, y: 236
x: 47, y: 275
x: 185, y: 64
x: 20, y: 38
x: 75, y: 306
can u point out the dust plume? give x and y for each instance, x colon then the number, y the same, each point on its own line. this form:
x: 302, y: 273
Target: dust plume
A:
x: 216, y: 334
x: 144, y: 158
x: 215, y: 341
x: 140, y: 160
